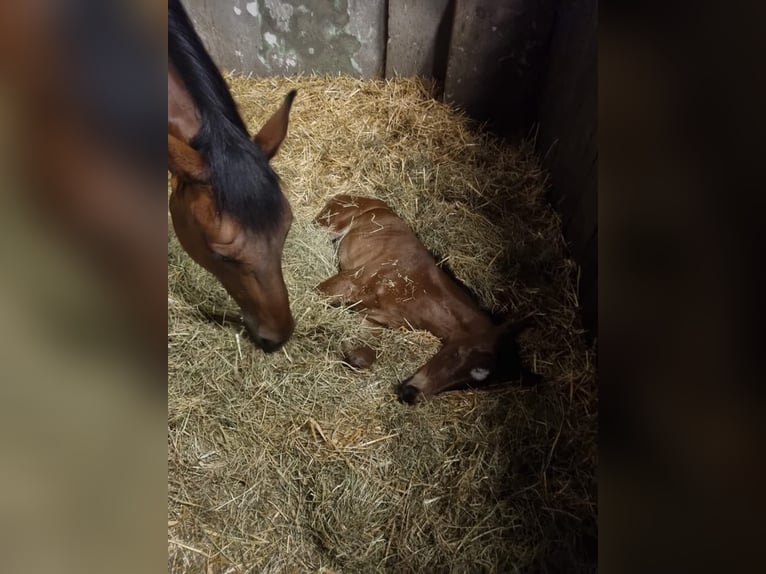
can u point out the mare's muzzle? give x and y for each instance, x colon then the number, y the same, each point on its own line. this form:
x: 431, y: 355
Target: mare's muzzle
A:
x: 268, y: 339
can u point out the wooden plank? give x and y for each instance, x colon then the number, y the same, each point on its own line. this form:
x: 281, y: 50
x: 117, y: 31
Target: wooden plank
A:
x: 567, y: 140
x: 418, y: 37
x: 582, y: 218
x: 569, y: 100
x: 589, y: 286
x: 496, y: 59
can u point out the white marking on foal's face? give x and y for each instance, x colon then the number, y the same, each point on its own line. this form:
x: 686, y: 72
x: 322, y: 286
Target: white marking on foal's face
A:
x: 479, y: 374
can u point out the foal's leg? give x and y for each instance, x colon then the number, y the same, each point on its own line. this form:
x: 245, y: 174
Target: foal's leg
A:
x: 341, y: 289
x: 361, y: 355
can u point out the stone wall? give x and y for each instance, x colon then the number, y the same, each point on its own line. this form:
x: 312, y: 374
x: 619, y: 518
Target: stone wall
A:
x: 282, y: 37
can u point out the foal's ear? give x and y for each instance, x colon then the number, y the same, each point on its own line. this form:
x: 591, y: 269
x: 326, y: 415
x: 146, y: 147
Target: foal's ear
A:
x: 508, y: 331
x: 512, y: 328
x: 185, y: 162
x: 274, y: 131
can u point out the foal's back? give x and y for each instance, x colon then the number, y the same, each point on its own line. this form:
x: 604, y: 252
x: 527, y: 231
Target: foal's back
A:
x: 395, y: 279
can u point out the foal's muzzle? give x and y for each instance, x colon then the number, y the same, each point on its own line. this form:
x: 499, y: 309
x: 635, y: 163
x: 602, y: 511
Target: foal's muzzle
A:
x: 408, y: 394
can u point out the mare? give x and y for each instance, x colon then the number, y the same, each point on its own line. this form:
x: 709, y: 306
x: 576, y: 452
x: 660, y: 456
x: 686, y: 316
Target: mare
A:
x: 389, y: 276
x: 227, y: 207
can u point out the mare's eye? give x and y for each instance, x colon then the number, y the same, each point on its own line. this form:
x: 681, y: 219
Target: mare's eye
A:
x: 223, y: 258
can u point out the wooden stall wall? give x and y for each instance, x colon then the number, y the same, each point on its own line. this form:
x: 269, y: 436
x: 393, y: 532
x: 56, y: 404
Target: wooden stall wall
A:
x: 567, y: 139
x: 523, y: 67
x: 520, y: 66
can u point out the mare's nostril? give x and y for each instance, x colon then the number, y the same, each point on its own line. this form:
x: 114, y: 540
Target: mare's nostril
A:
x: 268, y: 345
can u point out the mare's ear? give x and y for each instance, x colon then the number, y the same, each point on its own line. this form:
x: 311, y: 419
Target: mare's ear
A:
x: 273, y: 132
x: 185, y: 162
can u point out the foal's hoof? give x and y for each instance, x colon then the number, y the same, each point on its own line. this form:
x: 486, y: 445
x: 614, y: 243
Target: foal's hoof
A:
x: 408, y: 394
x: 360, y: 357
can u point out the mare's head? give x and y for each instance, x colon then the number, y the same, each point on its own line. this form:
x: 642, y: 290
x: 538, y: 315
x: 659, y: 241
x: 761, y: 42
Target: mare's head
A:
x: 470, y: 361
x: 238, y: 238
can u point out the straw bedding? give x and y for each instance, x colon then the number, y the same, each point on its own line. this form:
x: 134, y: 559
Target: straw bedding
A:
x: 293, y: 462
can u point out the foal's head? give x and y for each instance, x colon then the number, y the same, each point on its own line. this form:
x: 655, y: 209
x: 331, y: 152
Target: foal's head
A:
x: 241, y: 248
x: 470, y: 361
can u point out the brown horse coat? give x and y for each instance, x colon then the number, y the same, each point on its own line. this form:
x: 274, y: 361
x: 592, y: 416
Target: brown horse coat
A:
x: 393, y: 280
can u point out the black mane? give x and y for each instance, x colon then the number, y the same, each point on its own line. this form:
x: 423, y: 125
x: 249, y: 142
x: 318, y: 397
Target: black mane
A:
x: 244, y: 184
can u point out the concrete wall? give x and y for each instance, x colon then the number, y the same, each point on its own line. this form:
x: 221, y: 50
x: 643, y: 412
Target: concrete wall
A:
x: 278, y: 37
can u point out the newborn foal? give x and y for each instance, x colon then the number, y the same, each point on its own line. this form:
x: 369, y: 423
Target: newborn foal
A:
x: 394, y: 281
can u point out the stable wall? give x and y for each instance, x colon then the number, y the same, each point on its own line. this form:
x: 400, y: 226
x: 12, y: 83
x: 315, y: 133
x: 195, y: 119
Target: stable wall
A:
x: 279, y: 37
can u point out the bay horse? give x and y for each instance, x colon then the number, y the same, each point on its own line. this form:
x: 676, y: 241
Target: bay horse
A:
x: 227, y: 207
x: 387, y: 275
